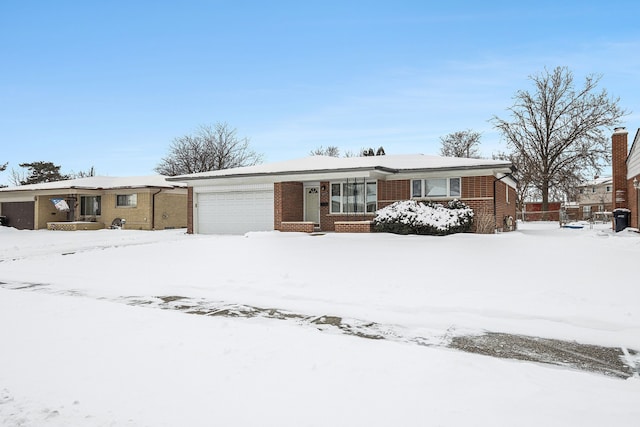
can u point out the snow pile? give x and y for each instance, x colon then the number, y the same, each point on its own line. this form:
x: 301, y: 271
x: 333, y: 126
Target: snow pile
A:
x: 413, y: 217
x: 74, y: 351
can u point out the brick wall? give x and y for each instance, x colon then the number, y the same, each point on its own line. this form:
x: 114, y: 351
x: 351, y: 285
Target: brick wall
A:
x: 477, y: 192
x: 619, y: 168
x: 45, y: 211
x: 393, y: 191
x: 190, y: 210
x: 170, y: 209
x: 353, y: 226
x: 137, y: 217
x: 288, y: 203
x: 477, y: 186
x: 505, y: 206
x: 297, y: 226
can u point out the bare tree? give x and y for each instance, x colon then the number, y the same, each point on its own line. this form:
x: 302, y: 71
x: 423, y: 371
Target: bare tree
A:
x: 334, y: 151
x: 463, y: 143
x: 16, y: 177
x: 331, y: 150
x: 83, y: 174
x: 558, y: 131
x: 210, y: 148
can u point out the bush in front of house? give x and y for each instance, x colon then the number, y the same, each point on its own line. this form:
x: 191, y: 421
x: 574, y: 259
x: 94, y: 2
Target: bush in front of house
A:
x: 413, y: 217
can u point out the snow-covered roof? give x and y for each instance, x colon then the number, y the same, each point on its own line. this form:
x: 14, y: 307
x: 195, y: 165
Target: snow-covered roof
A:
x: 602, y: 180
x: 100, y: 183
x: 388, y: 163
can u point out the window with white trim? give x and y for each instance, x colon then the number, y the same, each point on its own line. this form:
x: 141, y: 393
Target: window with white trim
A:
x: 435, y: 187
x: 126, y: 200
x: 354, y: 197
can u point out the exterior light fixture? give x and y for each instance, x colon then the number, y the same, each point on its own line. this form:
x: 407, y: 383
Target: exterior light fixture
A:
x: 636, y: 184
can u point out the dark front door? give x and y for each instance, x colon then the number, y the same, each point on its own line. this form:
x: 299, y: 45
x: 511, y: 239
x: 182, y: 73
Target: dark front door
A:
x: 19, y: 215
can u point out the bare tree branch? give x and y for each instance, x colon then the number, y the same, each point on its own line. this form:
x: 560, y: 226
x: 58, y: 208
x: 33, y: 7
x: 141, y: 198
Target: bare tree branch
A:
x: 331, y: 150
x: 210, y: 148
x: 461, y: 144
x: 557, y: 133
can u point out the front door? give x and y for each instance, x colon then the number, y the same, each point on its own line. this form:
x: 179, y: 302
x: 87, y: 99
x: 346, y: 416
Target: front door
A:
x: 312, y: 204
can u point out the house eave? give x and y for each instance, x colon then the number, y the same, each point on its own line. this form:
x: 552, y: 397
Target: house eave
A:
x: 377, y: 172
x: 318, y: 172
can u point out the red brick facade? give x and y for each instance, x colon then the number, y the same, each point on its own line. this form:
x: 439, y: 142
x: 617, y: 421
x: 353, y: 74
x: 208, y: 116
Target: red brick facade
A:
x: 477, y: 192
x: 619, y: 168
x: 190, y: 210
x: 288, y: 203
x: 353, y: 226
x: 392, y: 191
x: 300, y: 227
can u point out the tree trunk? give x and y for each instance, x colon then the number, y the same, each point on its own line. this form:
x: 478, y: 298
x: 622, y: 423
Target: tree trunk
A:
x: 545, y: 200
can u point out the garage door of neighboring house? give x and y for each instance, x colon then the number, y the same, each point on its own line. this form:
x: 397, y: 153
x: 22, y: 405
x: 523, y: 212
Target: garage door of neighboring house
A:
x: 20, y: 215
x: 235, y: 210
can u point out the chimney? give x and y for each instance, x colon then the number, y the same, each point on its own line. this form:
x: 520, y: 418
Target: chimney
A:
x: 619, y: 167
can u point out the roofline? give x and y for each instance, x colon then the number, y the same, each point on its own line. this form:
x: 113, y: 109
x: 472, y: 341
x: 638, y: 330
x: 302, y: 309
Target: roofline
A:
x: 345, y: 170
x: 635, y: 139
x: 80, y: 187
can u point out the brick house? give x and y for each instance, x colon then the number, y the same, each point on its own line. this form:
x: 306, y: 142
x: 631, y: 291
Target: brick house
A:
x: 626, y: 174
x: 321, y: 193
x: 146, y: 203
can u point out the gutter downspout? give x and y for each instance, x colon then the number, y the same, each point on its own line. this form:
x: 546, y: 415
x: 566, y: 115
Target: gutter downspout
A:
x: 495, y: 219
x: 153, y: 208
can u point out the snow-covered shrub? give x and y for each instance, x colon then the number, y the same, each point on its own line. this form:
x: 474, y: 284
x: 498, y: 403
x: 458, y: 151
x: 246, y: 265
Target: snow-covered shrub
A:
x: 413, y: 217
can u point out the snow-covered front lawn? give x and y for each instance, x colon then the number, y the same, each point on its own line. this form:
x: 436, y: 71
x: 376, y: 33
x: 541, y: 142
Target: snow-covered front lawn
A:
x: 73, y: 352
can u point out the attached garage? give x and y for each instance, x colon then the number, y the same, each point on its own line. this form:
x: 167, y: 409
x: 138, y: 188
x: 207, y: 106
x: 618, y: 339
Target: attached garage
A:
x: 20, y: 215
x: 234, y: 209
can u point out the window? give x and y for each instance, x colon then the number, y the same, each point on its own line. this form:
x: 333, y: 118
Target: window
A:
x: 126, y: 200
x: 354, y: 197
x: 90, y: 205
x: 416, y: 186
x: 436, y: 187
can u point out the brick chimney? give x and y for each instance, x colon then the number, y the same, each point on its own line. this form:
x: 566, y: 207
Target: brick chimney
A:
x: 619, y: 167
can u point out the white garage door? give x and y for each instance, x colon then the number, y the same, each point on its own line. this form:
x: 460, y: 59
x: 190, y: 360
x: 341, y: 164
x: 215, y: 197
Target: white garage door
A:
x: 235, y: 211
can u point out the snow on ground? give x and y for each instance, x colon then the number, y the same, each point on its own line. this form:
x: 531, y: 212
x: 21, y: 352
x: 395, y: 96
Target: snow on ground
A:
x: 71, y: 355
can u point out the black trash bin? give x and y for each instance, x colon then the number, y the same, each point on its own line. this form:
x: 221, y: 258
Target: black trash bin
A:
x: 3, y: 221
x: 621, y: 218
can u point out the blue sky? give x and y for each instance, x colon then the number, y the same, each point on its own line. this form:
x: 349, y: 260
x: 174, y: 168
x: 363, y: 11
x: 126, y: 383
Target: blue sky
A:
x: 111, y: 84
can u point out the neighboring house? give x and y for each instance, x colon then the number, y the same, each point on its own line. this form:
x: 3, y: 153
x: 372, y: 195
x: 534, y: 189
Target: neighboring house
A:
x: 342, y: 194
x: 145, y: 203
x: 626, y: 174
x: 594, y: 198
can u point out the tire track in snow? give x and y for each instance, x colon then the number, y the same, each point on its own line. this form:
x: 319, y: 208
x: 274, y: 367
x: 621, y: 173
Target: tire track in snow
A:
x: 609, y: 361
